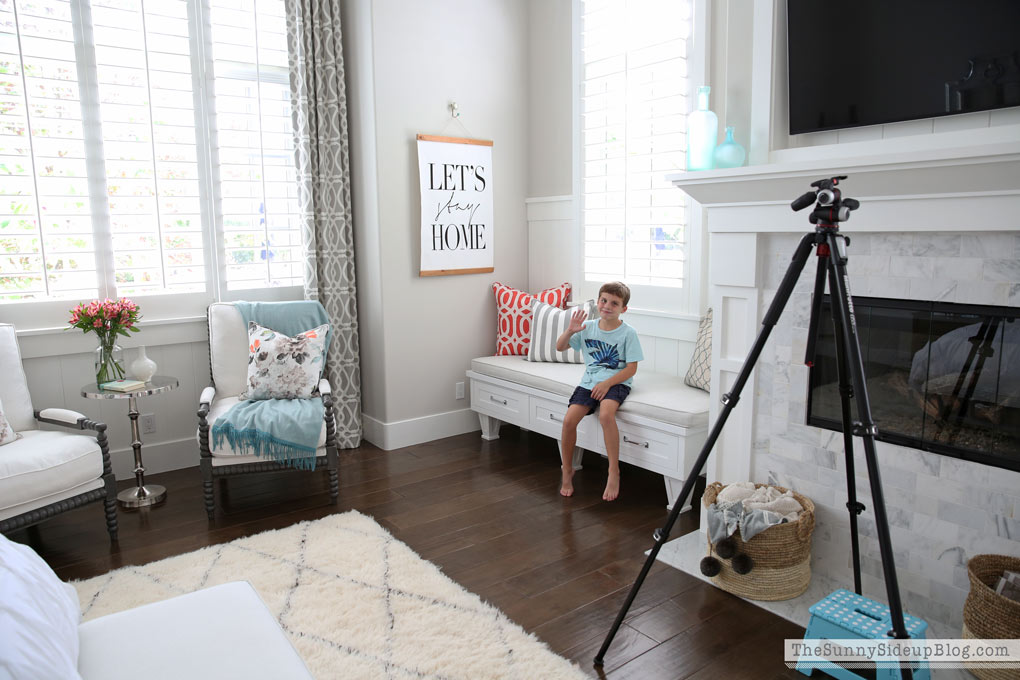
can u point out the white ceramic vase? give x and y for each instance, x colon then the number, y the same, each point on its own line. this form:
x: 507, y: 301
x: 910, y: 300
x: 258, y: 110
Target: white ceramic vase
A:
x: 143, y: 368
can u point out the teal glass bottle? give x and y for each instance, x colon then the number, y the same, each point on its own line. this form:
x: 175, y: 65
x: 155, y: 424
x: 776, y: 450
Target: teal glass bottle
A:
x: 729, y: 154
x: 702, y: 133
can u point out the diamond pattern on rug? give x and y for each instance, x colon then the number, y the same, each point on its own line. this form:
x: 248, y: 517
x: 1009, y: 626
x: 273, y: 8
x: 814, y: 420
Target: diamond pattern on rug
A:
x: 354, y: 601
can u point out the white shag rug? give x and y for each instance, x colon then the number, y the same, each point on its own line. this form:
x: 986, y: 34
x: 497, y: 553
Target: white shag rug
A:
x: 355, y: 602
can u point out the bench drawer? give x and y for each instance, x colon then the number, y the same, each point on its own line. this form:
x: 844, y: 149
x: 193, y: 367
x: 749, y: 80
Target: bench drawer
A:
x: 649, y: 448
x: 503, y: 403
x: 547, y: 418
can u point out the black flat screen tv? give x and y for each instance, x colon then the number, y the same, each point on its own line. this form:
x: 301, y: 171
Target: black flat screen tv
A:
x: 866, y: 62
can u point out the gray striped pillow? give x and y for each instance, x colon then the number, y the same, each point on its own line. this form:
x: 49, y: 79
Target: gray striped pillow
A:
x: 547, y: 324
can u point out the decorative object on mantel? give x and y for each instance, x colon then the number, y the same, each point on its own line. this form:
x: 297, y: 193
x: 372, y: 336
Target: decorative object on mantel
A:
x: 729, y: 154
x: 988, y: 615
x: 143, y: 368
x: 702, y: 134
x: 780, y: 556
x: 107, y: 319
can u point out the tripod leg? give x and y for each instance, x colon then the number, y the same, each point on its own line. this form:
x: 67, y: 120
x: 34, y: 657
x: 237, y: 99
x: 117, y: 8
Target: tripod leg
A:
x: 984, y: 349
x: 846, y: 392
x: 816, y: 306
x: 729, y: 402
x: 843, y: 305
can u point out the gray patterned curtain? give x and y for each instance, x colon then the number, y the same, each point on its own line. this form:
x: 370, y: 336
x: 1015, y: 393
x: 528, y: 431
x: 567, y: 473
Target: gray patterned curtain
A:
x: 319, y: 101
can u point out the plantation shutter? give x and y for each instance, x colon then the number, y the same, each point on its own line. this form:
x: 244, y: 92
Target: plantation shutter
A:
x: 255, y: 145
x: 145, y: 90
x: 634, y: 84
x: 46, y: 242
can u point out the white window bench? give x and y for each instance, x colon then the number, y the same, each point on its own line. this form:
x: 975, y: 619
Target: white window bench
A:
x: 663, y: 423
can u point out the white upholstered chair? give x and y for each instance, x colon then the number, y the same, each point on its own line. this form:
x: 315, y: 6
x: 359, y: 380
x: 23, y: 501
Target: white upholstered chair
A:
x: 45, y: 472
x: 228, y: 358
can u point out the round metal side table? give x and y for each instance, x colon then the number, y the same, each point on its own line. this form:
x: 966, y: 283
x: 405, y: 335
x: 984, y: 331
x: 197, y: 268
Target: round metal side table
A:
x: 141, y: 495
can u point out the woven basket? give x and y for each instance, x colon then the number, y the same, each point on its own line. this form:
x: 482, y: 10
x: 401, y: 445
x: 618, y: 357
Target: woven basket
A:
x: 781, y: 554
x: 987, y: 616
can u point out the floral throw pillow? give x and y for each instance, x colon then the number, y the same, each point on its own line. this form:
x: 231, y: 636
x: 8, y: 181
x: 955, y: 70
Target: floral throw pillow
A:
x: 283, y: 367
x: 7, y: 434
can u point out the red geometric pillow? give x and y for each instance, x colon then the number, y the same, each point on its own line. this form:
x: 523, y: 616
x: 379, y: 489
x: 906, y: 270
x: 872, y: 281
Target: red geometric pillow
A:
x: 513, y: 332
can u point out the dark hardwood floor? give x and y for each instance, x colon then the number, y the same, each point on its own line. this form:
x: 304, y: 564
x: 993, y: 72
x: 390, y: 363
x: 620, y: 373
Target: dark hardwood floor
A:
x: 489, y: 514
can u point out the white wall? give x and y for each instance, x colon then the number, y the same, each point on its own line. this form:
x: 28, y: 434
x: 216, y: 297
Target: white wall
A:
x: 550, y: 98
x: 420, y: 334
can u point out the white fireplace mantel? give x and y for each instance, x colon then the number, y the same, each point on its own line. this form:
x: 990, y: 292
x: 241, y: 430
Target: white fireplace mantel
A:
x: 973, y: 187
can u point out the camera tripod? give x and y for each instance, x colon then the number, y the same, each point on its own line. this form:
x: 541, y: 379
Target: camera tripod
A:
x: 830, y: 209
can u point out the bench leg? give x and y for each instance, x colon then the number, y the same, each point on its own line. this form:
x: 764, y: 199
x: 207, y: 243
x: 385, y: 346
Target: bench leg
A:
x: 490, y: 426
x: 575, y: 457
x: 673, y: 488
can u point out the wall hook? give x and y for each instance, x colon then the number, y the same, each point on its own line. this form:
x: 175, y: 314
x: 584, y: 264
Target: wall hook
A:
x: 454, y: 110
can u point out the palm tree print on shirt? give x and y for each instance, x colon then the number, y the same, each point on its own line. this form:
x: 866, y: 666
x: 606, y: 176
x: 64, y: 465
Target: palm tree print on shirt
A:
x: 603, y: 353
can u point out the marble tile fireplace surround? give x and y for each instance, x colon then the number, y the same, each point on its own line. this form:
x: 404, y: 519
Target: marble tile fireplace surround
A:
x: 933, y: 225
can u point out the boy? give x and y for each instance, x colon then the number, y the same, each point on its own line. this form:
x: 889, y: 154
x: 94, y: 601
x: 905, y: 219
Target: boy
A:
x: 611, y: 351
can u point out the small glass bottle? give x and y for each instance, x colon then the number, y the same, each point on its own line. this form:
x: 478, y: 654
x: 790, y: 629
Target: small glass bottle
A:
x: 729, y: 154
x: 702, y: 133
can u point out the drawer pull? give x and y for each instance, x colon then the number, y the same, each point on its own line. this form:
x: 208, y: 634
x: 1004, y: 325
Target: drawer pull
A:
x: 498, y: 401
x: 631, y: 441
x: 552, y: 417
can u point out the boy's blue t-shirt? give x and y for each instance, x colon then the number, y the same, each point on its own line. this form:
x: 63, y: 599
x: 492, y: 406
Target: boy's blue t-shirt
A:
x: 606, y: 352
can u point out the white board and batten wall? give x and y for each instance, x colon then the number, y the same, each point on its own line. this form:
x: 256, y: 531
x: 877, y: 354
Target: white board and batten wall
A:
x: 667, y: 340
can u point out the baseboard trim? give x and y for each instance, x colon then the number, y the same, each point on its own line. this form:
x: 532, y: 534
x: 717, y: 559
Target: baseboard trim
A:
x: 400, y: 433
x: 156, y: 457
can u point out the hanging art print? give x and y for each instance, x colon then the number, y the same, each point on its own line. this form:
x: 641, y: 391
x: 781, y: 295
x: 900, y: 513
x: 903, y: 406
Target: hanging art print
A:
x: 456, y: 205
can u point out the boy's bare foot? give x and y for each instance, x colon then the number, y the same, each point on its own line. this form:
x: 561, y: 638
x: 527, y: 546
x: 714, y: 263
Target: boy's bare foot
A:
x: 567, y: 485
x: 612, y: 487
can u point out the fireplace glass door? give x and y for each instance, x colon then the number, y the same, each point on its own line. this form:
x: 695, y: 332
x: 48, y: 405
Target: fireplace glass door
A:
x: 941, y: 377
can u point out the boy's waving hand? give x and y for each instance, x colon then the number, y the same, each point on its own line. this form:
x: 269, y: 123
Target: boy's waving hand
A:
x: 577, y: 320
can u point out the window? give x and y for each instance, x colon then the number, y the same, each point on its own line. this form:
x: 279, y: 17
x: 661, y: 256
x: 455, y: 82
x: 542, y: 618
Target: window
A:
x: 145, y: 150
x: 634, y: 83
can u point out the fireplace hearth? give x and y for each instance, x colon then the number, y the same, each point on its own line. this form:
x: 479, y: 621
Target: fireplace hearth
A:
x: 942, y: 377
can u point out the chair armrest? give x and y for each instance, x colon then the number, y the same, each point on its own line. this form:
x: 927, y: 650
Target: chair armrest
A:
x: 324, y: 387
x: 208, y: 394
x: 66, y: 418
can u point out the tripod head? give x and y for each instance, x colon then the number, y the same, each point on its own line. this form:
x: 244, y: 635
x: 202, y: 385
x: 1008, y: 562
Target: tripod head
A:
x: 830, y: 206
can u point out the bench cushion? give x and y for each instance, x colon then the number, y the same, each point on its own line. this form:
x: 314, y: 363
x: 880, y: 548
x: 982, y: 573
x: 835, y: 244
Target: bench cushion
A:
x: 657, y: 396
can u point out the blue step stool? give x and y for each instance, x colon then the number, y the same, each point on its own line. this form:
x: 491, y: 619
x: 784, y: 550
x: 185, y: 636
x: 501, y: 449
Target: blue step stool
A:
x: 844, y: 615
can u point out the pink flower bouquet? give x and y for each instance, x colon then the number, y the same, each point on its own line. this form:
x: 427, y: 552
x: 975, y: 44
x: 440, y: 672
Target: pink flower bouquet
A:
x: 107, y: 319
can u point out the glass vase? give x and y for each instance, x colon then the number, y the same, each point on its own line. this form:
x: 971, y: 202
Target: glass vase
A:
x: 702, y: 133
x: 109, y: 361
x: 729, y: 154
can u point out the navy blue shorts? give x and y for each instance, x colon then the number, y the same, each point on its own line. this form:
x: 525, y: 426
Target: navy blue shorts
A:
x: 582, y: 396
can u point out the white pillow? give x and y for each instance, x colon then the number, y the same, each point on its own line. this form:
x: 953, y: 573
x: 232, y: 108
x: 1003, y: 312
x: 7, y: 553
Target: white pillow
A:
x: 282, y: 367
x: 39, y: 616
x: 547, y: 324
x: 7, y: 434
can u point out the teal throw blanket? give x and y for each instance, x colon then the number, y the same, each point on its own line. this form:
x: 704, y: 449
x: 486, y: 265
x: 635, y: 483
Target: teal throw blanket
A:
x: 285, y: 430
